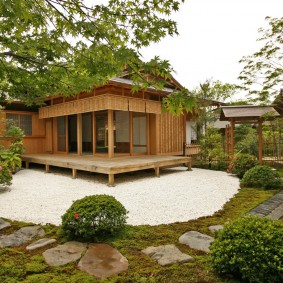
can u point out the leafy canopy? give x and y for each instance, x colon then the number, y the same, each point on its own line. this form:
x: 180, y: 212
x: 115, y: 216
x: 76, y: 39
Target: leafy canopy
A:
x: 262, y: 74
x: 68, y: 46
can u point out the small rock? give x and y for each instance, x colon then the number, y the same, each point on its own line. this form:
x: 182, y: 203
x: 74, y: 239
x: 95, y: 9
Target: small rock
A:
x: 196, y: 240
x: 21, y: 237
x: 40, y: 243
x: 167, y: 254
x: 4, y: 224
x: 63, y: 254
x: 215, y: 228
x: 102, y: 260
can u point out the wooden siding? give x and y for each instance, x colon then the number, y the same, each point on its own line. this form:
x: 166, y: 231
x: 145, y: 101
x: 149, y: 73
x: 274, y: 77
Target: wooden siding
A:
x: 171, y: 134
x: 34, y: 143
x: 101, y: 102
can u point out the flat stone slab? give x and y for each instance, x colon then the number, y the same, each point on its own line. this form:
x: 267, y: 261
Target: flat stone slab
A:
x: 21, y: 237
x: 4, y: 224
x: 215, y: 228
x: 196, y: 240
x: 167, y: 254
x: 64, y: 254
x: 40, y: 243
x: 101, y: 261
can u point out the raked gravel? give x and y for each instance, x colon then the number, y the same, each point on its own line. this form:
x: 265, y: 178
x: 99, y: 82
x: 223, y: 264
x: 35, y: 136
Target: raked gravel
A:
x: 177, y: 196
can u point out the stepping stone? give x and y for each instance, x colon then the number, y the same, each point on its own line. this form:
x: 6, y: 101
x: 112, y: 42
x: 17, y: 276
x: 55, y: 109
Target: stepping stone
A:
x: 40, y: 243
x: 167, y: 254
x: 196, y: 240
x: 4, y: 224
x: 64, y: 254
x: 21, y: 237
x: 215, y: 228
x: 101, y: 261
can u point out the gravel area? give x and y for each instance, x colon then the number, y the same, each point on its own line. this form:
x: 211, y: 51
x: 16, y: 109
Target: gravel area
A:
x: 177, y: 196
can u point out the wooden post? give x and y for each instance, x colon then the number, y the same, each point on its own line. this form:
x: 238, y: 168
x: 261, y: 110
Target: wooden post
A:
x: 232, y: 136
x: 157, y: 171
x: 74, y: 173
x: 47, y: 168
x: 189, y: 164
x: 110, y: 134
x: 79, y: 134
x: 260, y: 141
x: 111, y: 180
x: 27, y: 165
x: 93, y: 133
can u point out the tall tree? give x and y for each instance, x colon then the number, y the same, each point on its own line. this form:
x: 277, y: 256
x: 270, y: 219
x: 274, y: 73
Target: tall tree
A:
x: 209, y: 94
x: 262, y: 74
x: 68, y: 46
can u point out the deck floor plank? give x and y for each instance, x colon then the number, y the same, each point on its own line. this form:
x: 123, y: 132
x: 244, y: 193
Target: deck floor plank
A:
x: 104, y: 165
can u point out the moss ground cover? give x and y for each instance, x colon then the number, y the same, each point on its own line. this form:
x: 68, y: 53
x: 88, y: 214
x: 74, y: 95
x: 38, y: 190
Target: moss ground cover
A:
x: 19, y: 265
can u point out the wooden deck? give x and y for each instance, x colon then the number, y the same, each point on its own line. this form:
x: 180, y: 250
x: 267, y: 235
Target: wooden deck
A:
x: 105, y: 165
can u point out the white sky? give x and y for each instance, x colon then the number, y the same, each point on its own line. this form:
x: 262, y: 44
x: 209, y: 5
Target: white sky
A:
x: 213, y: 36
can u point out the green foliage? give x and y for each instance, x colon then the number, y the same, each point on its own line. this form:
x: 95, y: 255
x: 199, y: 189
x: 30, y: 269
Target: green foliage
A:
x: 250, y: 248
x: 5, y: 175
x: 53, y: 47
x: 264, y: 68
x: 212, y: 148
x: 13, y: 132
x: 93, y: 217
x: 262, y: 177
x: 206, y: 94
x: 243, y: 163
x: 246, y: 139
x: 10, y: 159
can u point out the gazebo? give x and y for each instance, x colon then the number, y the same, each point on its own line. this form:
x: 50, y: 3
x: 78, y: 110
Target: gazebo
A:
x: 246, y: 114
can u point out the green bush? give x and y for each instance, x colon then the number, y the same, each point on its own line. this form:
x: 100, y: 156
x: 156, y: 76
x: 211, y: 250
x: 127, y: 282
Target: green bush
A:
x: 262, y: 177
x: 250, y: 248
x: 243, y: 163
x: 5, y: 175
x: 93, y: 217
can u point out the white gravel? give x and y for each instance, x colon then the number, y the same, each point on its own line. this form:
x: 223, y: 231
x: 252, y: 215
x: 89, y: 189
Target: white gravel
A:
x: 177, y: 196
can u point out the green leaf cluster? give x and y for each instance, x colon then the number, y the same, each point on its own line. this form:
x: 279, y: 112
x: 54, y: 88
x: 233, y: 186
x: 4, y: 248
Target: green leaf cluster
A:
x: 262, y: 177
x: 93, y: 217
x: 250, y: 248
x: 262, y: 73
x: 50, y: 47
x: 243, y: 163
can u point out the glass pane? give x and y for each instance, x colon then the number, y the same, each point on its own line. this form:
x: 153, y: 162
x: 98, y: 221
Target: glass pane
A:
x: 26, y: 124
x: 121, y: 132
x: 101, y: 121
x: 139, y: 133
x: 61, y: 133
x: 13, y: 119
x: 87, y: 133
x: 72, y: 134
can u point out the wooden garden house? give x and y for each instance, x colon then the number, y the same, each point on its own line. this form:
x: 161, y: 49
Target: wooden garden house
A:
x: 108, y: 122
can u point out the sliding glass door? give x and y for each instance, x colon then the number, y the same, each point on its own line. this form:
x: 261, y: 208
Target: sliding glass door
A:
x: 139, y: 133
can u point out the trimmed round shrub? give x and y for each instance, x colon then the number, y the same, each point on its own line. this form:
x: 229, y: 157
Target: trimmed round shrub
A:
x: 243, y: 163
x: 250, y: 248
x: 262, y: 177
x: 93, y: 217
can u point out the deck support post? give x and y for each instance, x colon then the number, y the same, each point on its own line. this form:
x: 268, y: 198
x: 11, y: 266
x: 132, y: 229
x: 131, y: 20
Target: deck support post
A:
x: 157, y: 171
x: 74, y: 173
x: 189, y: 165
x: 27, y: 165
x: 47, y: 168
x: 110, y: 180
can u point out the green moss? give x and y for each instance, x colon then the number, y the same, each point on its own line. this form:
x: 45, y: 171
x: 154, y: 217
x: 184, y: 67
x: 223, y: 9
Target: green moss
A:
x: 21, y: 266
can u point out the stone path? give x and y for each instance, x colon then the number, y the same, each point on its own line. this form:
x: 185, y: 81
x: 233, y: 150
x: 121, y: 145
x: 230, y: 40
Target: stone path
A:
x: 167, y: 254
x: 272, y: 207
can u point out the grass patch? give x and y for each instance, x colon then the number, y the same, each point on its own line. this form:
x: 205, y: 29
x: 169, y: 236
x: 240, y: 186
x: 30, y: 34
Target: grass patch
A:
x: 19, y: 265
